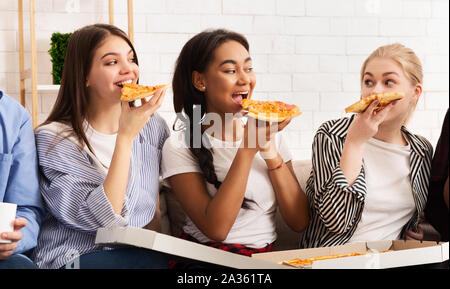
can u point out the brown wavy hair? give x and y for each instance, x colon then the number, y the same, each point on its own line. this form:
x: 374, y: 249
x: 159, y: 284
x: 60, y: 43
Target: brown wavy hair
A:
x: 72, y: 101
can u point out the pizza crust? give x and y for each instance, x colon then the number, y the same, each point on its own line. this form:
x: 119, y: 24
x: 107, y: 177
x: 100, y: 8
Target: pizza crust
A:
x: 384, y: 98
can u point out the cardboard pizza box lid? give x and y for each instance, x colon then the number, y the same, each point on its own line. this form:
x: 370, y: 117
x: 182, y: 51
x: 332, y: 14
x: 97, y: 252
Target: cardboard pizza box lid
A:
x: 148, y: 239
x: 404, y: 253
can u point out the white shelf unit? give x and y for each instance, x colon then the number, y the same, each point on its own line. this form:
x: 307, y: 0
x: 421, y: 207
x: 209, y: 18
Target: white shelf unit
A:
x: 48, y: 87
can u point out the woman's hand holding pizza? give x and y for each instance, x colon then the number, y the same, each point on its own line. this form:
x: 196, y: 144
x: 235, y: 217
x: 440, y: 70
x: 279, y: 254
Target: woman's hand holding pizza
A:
x: 260, y: 135
x: 265, y: 119
x: 365, y: 125
x: 132, y: 120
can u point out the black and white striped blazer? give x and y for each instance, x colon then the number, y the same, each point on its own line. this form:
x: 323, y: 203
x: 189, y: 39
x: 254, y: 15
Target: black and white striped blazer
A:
x: 336, y: 207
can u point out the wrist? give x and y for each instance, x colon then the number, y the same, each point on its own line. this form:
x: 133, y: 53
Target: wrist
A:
x: 268, y: 155
x: 274, y: 163
x: 124, y: 135
x: 247, y: 152
x: 124, y: 140
x: 355, y: 143
x: 279, y: 166
x: 269, y: 152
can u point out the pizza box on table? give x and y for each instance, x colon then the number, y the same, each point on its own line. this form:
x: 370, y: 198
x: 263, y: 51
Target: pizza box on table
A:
x: 403, y: 253
x: 148, y: 239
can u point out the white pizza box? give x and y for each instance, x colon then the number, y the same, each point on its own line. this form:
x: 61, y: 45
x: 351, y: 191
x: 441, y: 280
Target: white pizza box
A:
x: 148, y: 239
x: 404, y: 253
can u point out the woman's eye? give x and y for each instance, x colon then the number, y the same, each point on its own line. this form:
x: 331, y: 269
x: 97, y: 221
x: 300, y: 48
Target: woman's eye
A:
x: 389, y: 82
x: 368, y: 82
x: 111, y: 62
x: 231, y: 71
x: 133, y: 59
x: 249, y: 69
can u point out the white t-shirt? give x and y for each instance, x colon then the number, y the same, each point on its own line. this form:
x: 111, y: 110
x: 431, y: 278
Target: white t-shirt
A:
x: 254, y: 227
x: 102, y: 144
x: 389, y: 203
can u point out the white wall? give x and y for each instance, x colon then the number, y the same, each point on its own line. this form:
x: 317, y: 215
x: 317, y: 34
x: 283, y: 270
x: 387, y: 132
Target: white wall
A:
x: 307, y: 52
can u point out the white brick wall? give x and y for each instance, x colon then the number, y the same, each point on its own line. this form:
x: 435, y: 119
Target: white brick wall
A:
x: 307, y: 52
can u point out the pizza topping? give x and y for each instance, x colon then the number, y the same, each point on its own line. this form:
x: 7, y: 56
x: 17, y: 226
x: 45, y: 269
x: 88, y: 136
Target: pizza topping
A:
x: 132, y: 91
x: 309, y: 261
x: 384, y: 99
x: 270, y: 110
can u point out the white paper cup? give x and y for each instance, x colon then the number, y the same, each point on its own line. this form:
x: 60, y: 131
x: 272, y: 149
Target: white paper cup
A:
x: 7, y: 217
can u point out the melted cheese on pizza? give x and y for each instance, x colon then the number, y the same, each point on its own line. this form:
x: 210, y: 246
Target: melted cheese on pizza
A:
x: 279, y: 108
x: 134, y: 91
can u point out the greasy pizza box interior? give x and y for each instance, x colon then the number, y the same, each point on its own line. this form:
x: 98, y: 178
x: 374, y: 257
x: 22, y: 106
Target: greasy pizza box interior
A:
x: 403, y: 253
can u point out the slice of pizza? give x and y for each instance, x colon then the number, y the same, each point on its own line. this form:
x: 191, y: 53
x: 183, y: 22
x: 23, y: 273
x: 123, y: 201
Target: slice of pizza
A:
x: 271, y: 111
x: 132, y: 91
x: 384, y: 98
x: 309, y: 261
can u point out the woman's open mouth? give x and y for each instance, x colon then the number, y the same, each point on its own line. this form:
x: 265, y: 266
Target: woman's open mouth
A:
x: 121, y: 83
x: 239, y: 96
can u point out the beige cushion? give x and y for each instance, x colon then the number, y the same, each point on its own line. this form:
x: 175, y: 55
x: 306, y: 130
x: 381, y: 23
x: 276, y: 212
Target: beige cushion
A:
x: 173, y: 214
x: 286, y: 237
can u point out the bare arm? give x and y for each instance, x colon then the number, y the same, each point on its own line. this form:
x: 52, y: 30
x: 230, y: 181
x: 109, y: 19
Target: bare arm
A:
x: 214, y: 216
x: 117, y: 179
x: 363, y: 127
x: 130, y: 124
x: 292, y: 201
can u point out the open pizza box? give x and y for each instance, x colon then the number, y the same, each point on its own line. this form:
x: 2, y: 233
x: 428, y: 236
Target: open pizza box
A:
x: 148, y: 239
x: 400, y: 253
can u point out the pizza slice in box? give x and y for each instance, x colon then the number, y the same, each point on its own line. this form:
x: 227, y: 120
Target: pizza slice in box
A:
x: 384, y: 98
x: 271, y: 111
x: 132, y: 91
x: 304, y: 263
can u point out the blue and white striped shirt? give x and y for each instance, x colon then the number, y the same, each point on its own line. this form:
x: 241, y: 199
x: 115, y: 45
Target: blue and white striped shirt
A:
x: 71, y: 183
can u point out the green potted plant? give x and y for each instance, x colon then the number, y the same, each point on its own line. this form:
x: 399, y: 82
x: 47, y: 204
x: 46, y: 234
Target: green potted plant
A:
x: 57, y: 51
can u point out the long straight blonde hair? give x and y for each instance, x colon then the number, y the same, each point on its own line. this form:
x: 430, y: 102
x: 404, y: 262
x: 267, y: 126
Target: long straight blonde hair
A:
x: 408, y: 60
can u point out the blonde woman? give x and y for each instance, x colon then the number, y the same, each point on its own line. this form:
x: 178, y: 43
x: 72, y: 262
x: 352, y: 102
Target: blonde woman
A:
x: 370, y: 175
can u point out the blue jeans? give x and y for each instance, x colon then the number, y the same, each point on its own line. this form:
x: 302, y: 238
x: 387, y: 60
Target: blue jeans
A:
x: 124, y: 258
x: 17, y: 261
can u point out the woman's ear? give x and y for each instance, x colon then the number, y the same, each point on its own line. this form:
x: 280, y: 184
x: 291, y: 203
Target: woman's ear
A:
x: 198, y: 81
x: 417, y: 92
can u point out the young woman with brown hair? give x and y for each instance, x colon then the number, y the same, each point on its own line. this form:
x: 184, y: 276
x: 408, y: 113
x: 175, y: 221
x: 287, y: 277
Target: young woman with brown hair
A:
x: 99, y: 159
